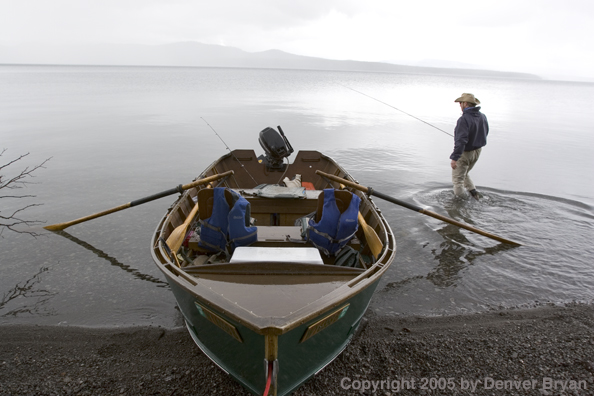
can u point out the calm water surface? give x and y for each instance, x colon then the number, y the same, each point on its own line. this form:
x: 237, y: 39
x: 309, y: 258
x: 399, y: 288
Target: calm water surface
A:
x: 115, y: 134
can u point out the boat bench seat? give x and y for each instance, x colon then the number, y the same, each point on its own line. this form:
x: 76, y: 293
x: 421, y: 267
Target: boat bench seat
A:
x: 278, y: 233
x: 279, y: 236
x: 281, y: 211
x: 252, y: 192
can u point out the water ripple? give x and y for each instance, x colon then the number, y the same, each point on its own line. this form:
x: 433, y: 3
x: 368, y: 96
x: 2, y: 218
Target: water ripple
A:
x: 458, y: 271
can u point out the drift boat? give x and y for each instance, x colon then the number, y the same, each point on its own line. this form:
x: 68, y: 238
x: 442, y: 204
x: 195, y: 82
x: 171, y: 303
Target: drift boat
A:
x: 270, y: 288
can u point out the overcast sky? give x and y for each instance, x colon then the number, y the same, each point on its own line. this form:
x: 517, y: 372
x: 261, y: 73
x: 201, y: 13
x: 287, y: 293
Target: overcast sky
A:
x: 545, y: 37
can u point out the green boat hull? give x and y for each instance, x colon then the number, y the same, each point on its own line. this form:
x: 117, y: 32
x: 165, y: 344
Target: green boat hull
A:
x: 297, y: 361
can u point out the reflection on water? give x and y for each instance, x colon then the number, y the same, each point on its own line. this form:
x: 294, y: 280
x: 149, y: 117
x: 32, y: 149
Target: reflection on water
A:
x: 460, y: 271
x: 36, y: 298
x: 455, y: 253
x: 112, y: 260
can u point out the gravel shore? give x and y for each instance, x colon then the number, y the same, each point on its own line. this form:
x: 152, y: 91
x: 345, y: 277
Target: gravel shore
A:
x: 543, y: 351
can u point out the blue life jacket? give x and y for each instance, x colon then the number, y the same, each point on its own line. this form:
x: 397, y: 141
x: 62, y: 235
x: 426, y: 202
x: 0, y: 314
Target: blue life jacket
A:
x: 240, y: 234
x: 227, y: 225
x: 334, y: 229
x: 213, y: 231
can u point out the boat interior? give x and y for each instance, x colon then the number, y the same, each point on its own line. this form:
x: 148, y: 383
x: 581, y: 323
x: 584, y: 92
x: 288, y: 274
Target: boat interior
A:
x: 283, y: 287
x: 281, y: 274
x: 280, y: 214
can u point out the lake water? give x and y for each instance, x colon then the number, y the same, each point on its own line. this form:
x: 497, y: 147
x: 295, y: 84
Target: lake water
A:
x: 116, y: 134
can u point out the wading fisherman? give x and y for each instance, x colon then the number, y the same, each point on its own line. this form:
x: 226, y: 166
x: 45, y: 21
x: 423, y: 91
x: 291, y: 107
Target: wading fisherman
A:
x: 470, y: 136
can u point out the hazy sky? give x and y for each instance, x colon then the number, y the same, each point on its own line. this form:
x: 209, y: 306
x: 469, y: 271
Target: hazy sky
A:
x: 546, y: 37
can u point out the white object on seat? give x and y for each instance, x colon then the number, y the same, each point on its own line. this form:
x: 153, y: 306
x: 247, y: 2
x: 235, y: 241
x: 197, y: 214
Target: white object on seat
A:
x: 276, y: 191
x: 305, y: 255
x: 293, y: 183
x: 307, y: 194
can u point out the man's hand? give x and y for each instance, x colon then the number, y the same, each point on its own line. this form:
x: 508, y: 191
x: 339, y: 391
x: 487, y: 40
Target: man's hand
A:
x: 453, y: 164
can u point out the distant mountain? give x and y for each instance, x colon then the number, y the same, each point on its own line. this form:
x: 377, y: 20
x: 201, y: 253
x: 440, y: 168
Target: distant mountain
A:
x: 207, y: 55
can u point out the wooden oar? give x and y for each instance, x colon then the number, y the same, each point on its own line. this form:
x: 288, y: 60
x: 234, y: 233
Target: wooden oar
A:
x: 175, y: 240
x: 178, y: 189
x: 370, y: 191
x: 373, y: 240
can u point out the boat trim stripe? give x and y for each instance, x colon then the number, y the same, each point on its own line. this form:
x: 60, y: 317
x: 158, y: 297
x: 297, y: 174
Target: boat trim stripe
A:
x: 219, y: 322
x: 321, y: 324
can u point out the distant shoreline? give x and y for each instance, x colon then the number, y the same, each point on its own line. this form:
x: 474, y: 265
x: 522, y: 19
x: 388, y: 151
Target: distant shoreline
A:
x: 432, y: 72
x: 477, y: 73
x: 194, y: 54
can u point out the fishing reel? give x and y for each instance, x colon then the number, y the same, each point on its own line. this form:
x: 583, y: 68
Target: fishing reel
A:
x: 276, y: 147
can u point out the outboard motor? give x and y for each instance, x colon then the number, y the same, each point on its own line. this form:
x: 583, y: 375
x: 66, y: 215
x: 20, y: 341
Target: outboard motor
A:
x: 277, y: 148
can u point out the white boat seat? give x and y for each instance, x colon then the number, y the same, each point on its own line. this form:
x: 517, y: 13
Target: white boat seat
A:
x: 306, y: 255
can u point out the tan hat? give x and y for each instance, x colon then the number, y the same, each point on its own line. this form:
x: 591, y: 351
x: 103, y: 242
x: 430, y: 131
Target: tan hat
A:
x: 469, y: 98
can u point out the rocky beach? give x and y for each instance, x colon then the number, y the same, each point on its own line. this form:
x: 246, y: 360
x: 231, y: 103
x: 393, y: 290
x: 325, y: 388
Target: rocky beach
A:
x: 541, y: 351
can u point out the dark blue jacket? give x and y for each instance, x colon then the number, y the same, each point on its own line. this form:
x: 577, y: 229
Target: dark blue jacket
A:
x: 471, y: 132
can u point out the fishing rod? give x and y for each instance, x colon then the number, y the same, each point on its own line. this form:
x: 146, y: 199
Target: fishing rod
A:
x: 237, y: 159
x: 402, y: 111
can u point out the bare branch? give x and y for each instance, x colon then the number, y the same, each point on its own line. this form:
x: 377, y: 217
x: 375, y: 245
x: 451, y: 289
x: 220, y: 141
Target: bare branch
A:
x: 13, y: 220
x: 19, y: 181
x: 17, y: 196
x: 13, y: 161
x: 35, y: 297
